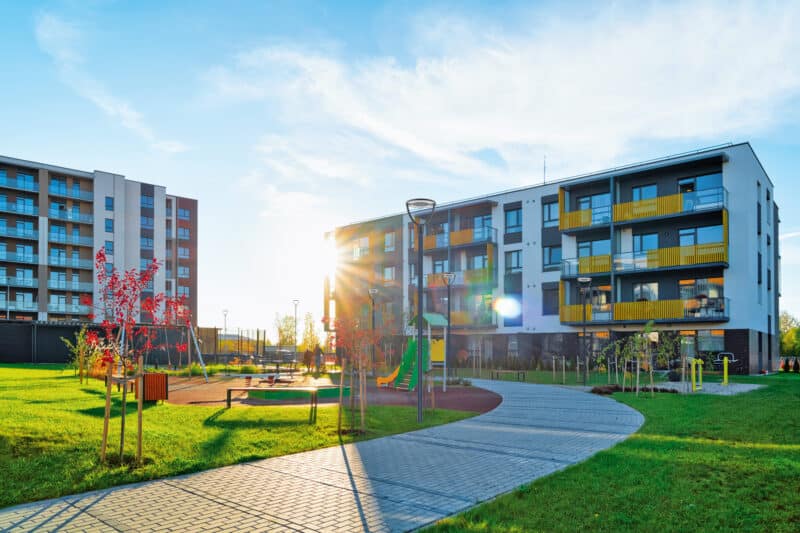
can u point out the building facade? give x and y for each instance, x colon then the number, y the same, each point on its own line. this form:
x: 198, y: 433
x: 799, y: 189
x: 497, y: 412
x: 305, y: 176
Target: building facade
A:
x: 689, y: 242
x: 54, y: 219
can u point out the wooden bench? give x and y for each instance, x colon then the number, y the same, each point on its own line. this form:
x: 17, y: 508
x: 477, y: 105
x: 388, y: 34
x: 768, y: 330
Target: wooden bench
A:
x: 313, y: 395
x: 520, y: 374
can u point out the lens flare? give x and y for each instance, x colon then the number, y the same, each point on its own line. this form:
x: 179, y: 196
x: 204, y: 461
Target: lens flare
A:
x: 507, y: 307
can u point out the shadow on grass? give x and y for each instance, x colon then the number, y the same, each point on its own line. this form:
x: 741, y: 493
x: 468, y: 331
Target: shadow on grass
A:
x: 116, y: 407
x: 216, y: 421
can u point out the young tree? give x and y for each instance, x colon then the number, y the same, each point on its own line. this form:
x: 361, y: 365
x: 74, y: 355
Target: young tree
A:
x: 285, y: 327
x: 310, y: 337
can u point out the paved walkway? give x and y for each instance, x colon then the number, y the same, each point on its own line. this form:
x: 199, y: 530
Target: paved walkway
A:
x: 394, y: 483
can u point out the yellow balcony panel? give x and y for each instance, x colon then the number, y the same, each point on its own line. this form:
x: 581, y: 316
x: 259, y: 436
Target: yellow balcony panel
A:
x: 652, y: 207
x: 649, y: 310
x: 463, y: 236
x: 697, y: 254
x: 574, y: 313
x: 594, y: 264
x: 575, y: 219
x: 429, y: 242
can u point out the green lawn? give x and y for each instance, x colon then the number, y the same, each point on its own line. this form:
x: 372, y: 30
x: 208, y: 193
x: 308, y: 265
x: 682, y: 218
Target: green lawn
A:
x: 699, y: 463
x: 545, y: 377
x: 51, y: 427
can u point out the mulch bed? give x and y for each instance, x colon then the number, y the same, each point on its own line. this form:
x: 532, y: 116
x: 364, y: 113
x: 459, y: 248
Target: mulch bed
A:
x: 611, y: 389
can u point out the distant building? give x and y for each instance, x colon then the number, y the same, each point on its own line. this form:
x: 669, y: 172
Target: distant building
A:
x: 54, y: 219
x: 688, y: 241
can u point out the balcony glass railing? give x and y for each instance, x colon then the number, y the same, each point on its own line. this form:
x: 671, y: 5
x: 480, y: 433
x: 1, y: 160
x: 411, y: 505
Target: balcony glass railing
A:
x: 473, y: 318
x: 18, y: 233
x: 77, y: 194
x: 18, y: 282
x: 72, y: 216
x: 19, y: 209
x: 80, y: 240
x: 72, y: 309
x: 687, y: 202
x: 674, y: 256
x: 77, y: 286
x: 483, y: 234
x: 71, y: 263
x: 19, y: 305
x: 19, y: 257
x: 21, y: 185
x: 478, y: 276
x: 692, y: 309
x: 595, y: 264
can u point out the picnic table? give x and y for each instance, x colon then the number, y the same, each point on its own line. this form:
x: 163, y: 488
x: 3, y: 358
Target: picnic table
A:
x: 520, y: 374
x: 313, y: 393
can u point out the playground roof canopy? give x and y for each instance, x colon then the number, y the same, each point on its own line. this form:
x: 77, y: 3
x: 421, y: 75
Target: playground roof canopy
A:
x: 434, y: 320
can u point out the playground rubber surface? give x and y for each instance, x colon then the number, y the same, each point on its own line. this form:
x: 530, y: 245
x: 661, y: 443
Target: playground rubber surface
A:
x: 397, y: 483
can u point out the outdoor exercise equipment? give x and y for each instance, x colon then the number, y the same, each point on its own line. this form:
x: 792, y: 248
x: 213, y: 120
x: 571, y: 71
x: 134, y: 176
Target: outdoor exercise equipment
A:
x: 724, y: 359
x: 697, y: 374
x: 563, y: 369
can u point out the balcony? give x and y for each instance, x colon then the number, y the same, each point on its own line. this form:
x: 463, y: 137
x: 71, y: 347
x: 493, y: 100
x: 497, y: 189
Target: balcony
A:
x: 18, y: 233
x: 8, y: 281
x: 675, y: 204
x: 75, y: 286
x: 473, y: 319
x: 585, y: 218
x: 484, y: 234
x: 689, y: 310
x: 15, y: 257
x: 71, y: 216
x: 18, y: 305
x: 594, y: 264
x: 17, y: 184
x: 19, y: 208
x: 480, y: 276
x: 79, y: 240
x: 676, y: 256
x: 76, y: 194
x: 71, y: 309
x: 71, y: 263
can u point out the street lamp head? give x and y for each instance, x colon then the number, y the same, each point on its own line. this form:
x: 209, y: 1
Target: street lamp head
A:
x: 423, y: 207
x: 585, y: 280
x: 448, y: 278
x: 373, y: 292
x: 295, y: 302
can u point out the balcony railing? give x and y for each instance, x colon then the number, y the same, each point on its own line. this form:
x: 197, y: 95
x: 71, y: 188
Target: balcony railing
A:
x: 687, y: 202
x: 692, y: 309
x: 483, y: 234
x: 77, y: 194
x: 72, y: 216
x: 594, y: 264
x: 77, y: 286
x: 674, y: 256
x: 17, y: 233
x: 19, y: 209
x: 19, y: 258
x: 479, y: 276
x: 17, y: 305
x: 71, y: 263
x: 585, y: 218
x: 72, y: 309
x: 80, y: 240
x: 473, y: 319
x: 9, y: 183
x: 18, y: 282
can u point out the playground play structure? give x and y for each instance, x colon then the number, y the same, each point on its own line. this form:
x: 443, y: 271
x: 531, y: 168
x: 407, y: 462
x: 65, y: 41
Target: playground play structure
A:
x: 406, y: 377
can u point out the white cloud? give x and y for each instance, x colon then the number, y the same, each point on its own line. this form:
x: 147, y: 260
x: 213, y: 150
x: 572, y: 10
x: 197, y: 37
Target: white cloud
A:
x: 585, y: 91
x: 62, y: 41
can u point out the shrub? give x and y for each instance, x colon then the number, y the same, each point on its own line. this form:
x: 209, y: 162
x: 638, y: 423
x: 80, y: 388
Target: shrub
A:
x: 796, y: 365
x: 674, y: 375
x: 249, y: 369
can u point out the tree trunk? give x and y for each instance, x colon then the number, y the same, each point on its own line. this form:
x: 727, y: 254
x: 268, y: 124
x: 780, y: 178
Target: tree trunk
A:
x: 341, y: 396
x: 363, y: 397
x: 624, y: 368
x: 122, y: 413
x: 140, y: 378
x: 109, y: 374
x: 638, y: 364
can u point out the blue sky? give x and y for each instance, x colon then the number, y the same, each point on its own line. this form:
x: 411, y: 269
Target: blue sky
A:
x: 287, y: 118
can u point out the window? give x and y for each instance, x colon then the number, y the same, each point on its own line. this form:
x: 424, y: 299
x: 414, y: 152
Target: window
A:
x: 768, y: 205
x: 514, y: 220
x: 478, y: 262
x: 645, y: 291
x: 550, y: 215
x: 147, y: 201
x: 590, y: 248
x: 183, y: 291
x: 441, y: 265
x: 600, y: 204
x: 183, y: 214
x: 109, y: 268
x: 759, y: 268
x: 711, y: 340
x: 388, y: 273
x: 146, y: 243
x: 147, y: 222
x: 109, y: 246
x: 645, y: 241
x: 700, y: 183
x: 482, y: 227
x: 769, y: 280
x: 758, y: 217
x: 110, y: 225
x: 701, y: 288
x: 109, y: 203
x: 183, y: 234
x: 701, y: 235
x: 183, y: 271
x: 514, y: 261
x: 549, y: 301
x: 644, y: 192
x: 183, y: 253
x: 388, y: 241
x: 552, y: 257
x: 360, y: 247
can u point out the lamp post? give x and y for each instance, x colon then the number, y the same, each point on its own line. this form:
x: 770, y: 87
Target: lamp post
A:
x: 372, y: 293
x: 448, y: 278
x: 423, y: 208
x: 295, y: 302
x: 585, y: 283
x: 224, y: 325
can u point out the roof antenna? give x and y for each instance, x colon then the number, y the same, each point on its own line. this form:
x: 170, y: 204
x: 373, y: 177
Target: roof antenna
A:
x: 544, y: 170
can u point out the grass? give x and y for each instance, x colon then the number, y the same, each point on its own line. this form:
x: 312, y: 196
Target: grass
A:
x: 545, y: 377
x: 699, y: 463
x: 51, y: 428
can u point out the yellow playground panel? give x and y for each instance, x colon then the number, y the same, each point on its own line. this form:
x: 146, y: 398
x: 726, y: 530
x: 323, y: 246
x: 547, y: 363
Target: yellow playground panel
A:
x: 437, y: 351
